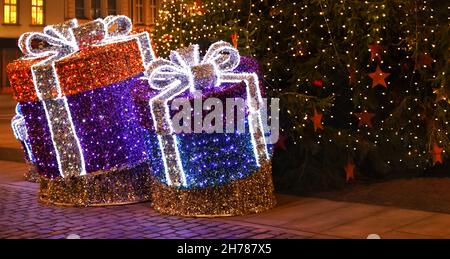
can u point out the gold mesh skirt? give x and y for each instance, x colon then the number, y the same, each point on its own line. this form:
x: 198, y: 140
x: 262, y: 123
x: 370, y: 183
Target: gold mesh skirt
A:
x: 253, y: 194
x: 115, y: 187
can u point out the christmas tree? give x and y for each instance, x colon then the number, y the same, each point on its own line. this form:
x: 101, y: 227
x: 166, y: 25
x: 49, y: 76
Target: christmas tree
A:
x: 363, y: 84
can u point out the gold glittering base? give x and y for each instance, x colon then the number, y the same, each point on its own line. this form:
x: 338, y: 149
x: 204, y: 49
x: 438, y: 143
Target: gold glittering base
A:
x: 31, y: 175
x: 115, y: 187
x: 254, y: 194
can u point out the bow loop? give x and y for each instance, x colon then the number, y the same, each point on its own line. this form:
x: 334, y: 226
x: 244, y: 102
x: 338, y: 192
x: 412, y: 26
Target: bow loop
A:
x: 63, y: 39
x: 62, y: 30
x: 186, y: 57
x: 118, y: 25
x: 161, y: 74
x: 54, y: 40
x: 223, y: 55
x: 90, y: 33
x: 49, y: 45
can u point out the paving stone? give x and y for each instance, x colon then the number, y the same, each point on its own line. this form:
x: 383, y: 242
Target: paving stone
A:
x: 379, y: 223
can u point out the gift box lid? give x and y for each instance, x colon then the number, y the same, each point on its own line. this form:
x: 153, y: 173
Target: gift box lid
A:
x: 90, y: 68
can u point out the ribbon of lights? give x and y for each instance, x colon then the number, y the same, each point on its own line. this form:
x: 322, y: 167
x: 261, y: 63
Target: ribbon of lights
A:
x: 20, y: 131
x: 186, y: 70
x: 62, y: 41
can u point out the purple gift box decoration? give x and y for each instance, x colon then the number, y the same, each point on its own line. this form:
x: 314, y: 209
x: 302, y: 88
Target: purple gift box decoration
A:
x: 204, y: 160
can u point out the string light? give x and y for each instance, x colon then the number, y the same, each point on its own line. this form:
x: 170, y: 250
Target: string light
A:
x: 338, y: 42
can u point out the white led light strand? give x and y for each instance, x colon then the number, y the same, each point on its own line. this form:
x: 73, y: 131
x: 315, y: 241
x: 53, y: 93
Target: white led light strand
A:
x: 20, y: 131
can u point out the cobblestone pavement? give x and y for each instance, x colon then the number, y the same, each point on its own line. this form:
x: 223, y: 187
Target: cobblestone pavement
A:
x: 22, y: 216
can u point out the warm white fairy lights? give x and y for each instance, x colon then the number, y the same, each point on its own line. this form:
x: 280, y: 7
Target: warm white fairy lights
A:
x: 417, y: 39
x: 188, y: 21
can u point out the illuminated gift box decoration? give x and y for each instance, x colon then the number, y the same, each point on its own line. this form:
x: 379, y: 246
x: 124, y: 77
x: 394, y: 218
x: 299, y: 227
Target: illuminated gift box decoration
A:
x: 207, y: 174
x: 74, y: 89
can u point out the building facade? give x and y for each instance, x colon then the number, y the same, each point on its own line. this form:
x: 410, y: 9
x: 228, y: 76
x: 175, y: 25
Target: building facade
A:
x: 20, y: 16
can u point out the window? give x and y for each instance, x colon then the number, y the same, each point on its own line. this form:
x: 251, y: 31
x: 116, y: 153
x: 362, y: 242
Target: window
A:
x: 153, y: 13
x: 96, y: 10
x: 37, y: 12
x: 139, y: 7
x: 10, y: 12
x: 112, y: 7
x: 79, y: 9
x: 7, y: 55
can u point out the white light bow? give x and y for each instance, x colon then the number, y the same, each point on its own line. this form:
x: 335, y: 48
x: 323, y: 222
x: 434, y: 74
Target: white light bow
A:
x: 69, y: 37
x: 60, y: 41
x: 186, y: 71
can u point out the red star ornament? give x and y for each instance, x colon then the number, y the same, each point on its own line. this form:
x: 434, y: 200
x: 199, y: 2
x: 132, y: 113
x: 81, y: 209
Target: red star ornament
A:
x: 436, y: 153
x: 379, y: 77
x: 350, y: 171
x: 365, y: 119
x: 317, y: 120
